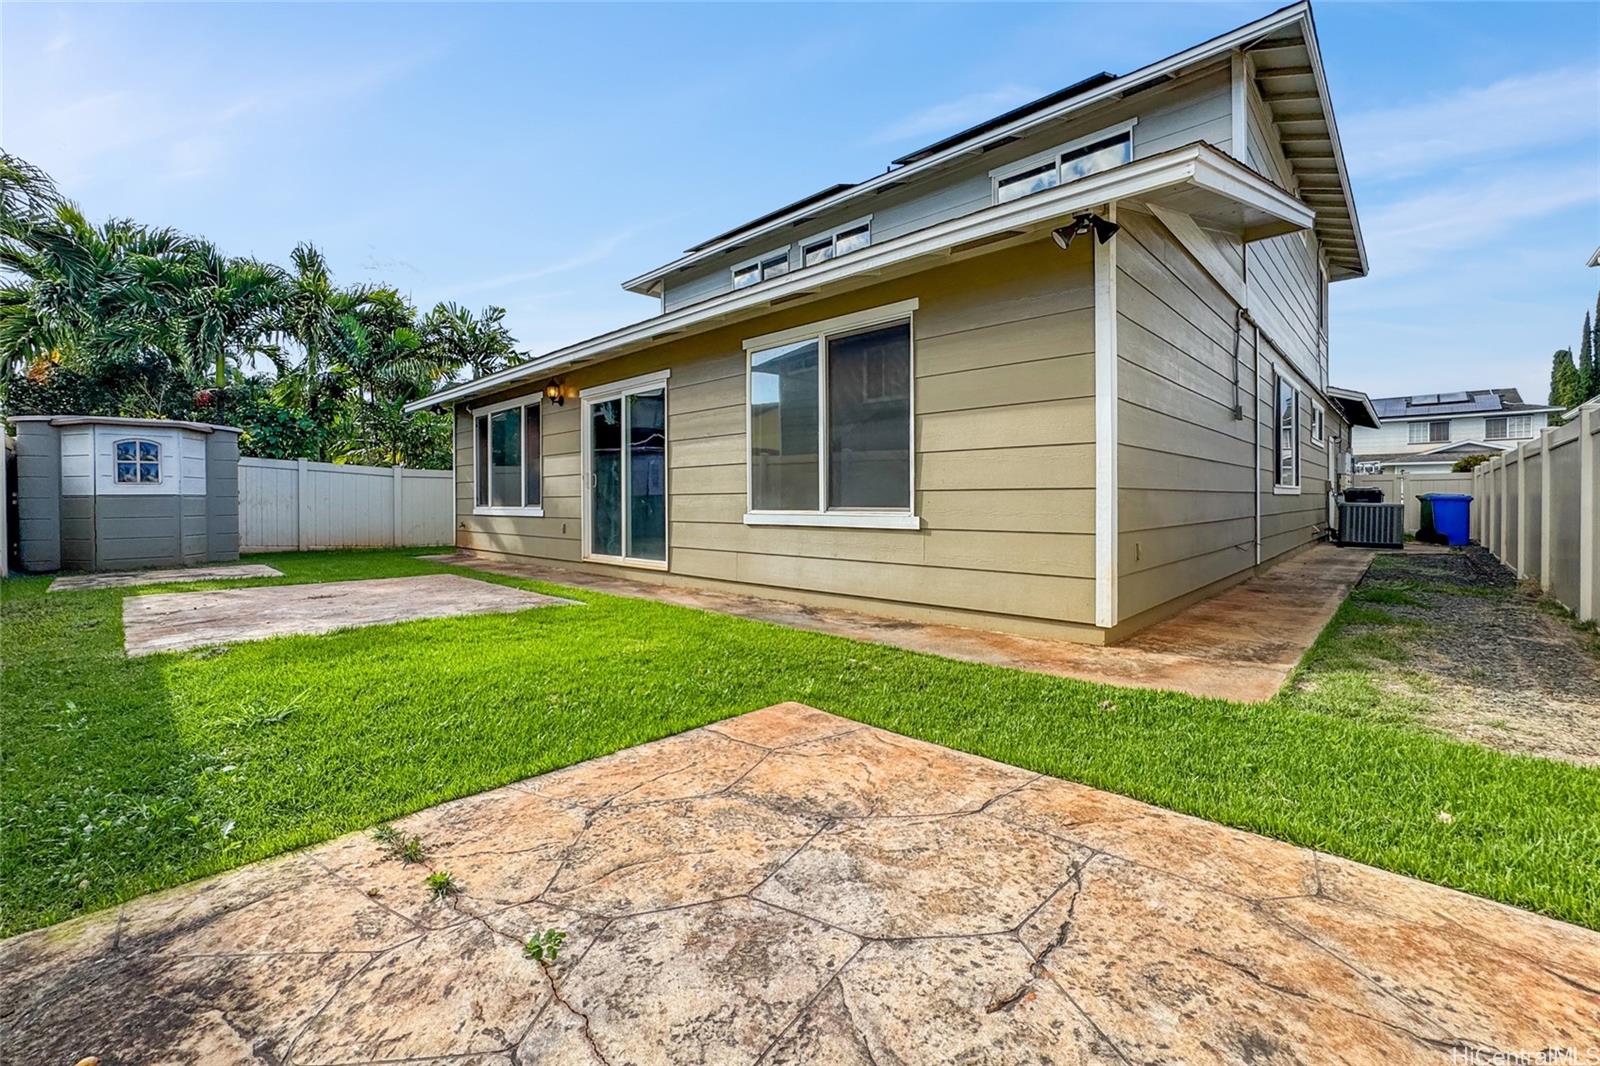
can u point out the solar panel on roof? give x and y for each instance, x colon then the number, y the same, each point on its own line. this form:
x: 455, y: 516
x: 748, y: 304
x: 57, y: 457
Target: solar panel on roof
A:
x: 1425, y: 398
x: 1454, y: 397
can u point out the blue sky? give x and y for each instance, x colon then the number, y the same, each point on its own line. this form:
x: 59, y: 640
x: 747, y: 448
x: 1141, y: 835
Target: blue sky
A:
x: 534, y: 156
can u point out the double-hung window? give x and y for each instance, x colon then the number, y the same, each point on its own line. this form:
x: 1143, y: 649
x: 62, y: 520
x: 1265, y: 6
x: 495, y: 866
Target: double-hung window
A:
x: 830, y: 422
x: 843, y: 240
x: 773, y: 264
x: 1508, y: 427
x: 1287, y: 423
x: 1429, y: 432
x: 1065, y: 163
x: 505, y: 458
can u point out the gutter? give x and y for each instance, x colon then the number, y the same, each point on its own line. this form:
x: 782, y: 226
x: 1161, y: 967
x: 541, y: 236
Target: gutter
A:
x: 1197, y: 165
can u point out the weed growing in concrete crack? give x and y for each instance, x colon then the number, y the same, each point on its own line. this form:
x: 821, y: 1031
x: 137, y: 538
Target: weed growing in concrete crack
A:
x: 442, y: 885
x: 543, y: 947
x: 399, y: 846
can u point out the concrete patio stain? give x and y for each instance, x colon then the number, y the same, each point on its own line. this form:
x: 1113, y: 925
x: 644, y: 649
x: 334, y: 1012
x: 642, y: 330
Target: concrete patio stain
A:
x: 790, y: 887
x: 180, y: 621
x: 1240, y: 644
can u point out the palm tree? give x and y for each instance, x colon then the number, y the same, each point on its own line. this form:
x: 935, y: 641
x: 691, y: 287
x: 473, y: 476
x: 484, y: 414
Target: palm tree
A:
x: 481, y: 344
x: 312, y: 312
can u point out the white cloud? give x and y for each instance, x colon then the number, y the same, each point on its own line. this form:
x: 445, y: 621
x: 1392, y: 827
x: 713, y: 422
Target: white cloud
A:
x: 1502, y: 119
x: 1440, y: 220
x: 596, y: 251
x: 954, y: 115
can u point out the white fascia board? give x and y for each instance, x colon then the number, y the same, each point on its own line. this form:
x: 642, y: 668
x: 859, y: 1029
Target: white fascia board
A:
x: 1198, y: 165
x: 1317, y: 73
x: 1204, y: 52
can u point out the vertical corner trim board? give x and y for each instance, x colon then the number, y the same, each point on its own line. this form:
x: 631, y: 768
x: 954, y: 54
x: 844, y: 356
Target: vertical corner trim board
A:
x: 1105, y: 429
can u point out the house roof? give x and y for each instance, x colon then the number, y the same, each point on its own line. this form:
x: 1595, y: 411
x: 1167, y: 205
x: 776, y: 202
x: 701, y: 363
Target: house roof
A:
x: 1445, y: 453
x: 130, y: 423
x: 1463, y: 402
x: 1287, y: 65
x: 1197, y: 179
x: 1354, y: 405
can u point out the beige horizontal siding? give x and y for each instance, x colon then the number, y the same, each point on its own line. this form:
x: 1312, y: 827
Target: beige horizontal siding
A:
x: 1189, y: 470
x: 1004, y: 463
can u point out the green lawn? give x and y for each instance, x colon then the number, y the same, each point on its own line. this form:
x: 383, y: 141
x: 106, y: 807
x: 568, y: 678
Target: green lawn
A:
x: 119, y: 776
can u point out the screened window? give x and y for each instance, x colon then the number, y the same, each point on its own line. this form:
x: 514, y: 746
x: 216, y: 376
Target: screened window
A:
x: 1430, y: 432
x: 1509, y: 427
x: 506, y: 457
x: 830, y: 422
x: 1288, y: 427
x: 1066, y: 164
x: 771, y: 265
x: 138, y: 462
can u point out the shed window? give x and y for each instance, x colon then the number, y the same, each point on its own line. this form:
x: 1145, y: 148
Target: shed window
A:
x: 138, y: 462
x: 1288, y: 427
x: 505, y: 452
x: 1430, y: 432
x: 1067, y: 163
x: 830, y: 423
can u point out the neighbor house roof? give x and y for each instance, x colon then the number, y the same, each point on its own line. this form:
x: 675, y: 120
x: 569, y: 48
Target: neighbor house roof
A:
x: 1196, y: 179
x: 1445, y: 453
x: 1288, y: 69
x: 1463, y: 402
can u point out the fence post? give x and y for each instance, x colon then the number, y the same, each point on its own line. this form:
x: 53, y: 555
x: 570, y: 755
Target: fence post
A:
x: 1588, y: 536
x: 302, y: 496
x: 1546, y: 512
x: 1522, y: 511
x: 399, y: 504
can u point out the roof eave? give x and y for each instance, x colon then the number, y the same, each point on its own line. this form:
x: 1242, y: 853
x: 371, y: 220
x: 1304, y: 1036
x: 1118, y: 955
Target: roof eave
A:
x: 1205, y: 52
x: 1192, y: 172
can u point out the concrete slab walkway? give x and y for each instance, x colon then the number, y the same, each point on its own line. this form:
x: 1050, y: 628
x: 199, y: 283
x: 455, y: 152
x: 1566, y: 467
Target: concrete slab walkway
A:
x: 1238, y: 645
x: 790, y: 887
x: 178, y: 621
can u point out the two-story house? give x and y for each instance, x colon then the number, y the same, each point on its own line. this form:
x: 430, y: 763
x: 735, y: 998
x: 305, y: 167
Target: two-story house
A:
x: 1428, y: 433
x: 1060, y: 373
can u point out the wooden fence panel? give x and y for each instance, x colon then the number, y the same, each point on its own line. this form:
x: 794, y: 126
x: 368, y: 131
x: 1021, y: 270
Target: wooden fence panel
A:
x: 299, y: 505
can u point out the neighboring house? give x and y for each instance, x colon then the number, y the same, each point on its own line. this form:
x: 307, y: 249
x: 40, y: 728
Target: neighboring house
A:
x: 946, y: 394
x: 1430, y: 432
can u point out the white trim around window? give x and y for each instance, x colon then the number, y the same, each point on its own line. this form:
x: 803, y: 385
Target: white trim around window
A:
x: 620, y: 390
x: 1039, y: 160
x: 1285, y: 482
x: 481, y: 490
x: 766, y: 267
x: 827, y: 242
x: 825, y: 516
x: 1319, y: 423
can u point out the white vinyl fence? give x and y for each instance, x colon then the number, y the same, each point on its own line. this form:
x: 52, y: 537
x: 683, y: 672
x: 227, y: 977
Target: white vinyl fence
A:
x: 299, y: 505
x: 1538, y: 509
x: 1400, y: 487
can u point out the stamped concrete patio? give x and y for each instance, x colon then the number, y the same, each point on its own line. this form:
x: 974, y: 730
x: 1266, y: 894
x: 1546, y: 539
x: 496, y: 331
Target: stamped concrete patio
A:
x: 791, y: 887
x: 1240, y: 644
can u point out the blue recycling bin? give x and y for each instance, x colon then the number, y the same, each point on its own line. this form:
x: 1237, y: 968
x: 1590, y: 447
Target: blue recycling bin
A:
x: 1452, y: 522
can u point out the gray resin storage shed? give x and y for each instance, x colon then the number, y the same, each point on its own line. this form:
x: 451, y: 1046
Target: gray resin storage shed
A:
x: 99, y: 493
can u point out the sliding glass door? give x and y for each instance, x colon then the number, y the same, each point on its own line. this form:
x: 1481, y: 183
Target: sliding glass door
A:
x: 625, y: 482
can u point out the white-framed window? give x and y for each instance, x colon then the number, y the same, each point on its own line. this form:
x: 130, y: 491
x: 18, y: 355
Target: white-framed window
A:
x: 1508, y: 427
x: 830, y: 422
x: 774, y: 264
x: 506, y: 458
x: 1319, y: 423
x: 1287, y: 425
x: 136, y: 461
x: 1107, y: 148
x: 1436, y: 432
x: 836, y: 242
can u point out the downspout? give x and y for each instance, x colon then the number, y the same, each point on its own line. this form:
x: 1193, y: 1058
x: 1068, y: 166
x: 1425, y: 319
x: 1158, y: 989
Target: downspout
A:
x: 1255, y: 427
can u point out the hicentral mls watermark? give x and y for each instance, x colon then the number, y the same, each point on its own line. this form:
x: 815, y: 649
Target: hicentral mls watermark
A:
x: 1550, y: 1056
